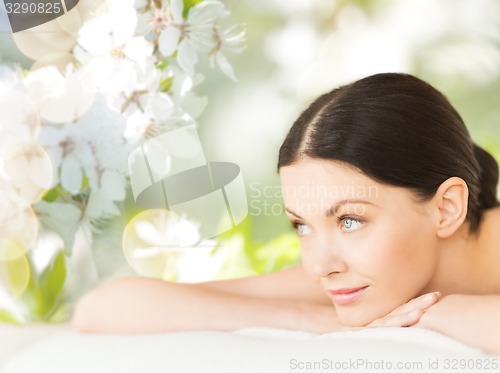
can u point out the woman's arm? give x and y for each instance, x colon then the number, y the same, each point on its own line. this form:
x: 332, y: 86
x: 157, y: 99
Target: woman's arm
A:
x: 291, y: 283
x: 144, y: 305
x: 471, y: 319
x: 285, y: 299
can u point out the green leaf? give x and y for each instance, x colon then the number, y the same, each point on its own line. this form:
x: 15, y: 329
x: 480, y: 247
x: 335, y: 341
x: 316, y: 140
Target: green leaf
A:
x: 166, y: 84
x: 9, y: 318
x: 188, y: 4
x: 51, y: 282
x: 31, y: 297
x: 85, y: 183
x: 43, y: 292
x: 61, y: 313
x: 56, y: 192
x: 162, y: 64
x: 51, y: 195
x: 17, y: 270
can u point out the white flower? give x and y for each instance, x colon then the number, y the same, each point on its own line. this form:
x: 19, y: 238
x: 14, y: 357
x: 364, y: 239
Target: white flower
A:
x: 70, y: 154
x: 184, y: 98
x: 230, y: 39
x: 60, y: 98
x: 19, y: 115
x: 119, y: 70
x: 9, y: 79
x: 155, y: 110
x: 114, y: 27
x: 191, y: 35
x: 139, y: 125
x: 18, y: 225
x: 111, y: 188
x: 114, y: 54
x: 93, y: 147
x: 25, y: 166
x: 147, y: 81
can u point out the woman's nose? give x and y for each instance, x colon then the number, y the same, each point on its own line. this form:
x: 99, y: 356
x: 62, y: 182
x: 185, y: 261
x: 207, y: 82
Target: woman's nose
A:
x: 328, y: 260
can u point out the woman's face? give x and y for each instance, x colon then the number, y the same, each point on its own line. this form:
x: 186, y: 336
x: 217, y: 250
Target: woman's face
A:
x: 357, y: 233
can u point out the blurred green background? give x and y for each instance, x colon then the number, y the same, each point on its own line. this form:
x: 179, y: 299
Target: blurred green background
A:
x: 299, y: 49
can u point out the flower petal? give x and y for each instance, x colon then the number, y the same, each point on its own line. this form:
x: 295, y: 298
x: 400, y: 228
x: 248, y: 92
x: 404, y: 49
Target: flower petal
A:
x: 187, y: 57
x: 168, y: 40
x: 205, y: 12
x: 113, y: 185
x: 124, y: 23
x: 162, y: 106
x: 138, y: 49
x: 71, y: 175
x: 137, y: 124
x: 94, y: 35
x: 194, y: 104
x: 177, y: 8
x: 225, y: 66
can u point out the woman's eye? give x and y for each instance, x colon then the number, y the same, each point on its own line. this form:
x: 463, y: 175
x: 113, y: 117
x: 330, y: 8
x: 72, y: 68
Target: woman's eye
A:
x: 301, y: 229
x: 350, y: 224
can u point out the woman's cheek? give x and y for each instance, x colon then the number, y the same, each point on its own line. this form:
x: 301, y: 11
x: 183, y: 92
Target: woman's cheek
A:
x: 306, y: 257
x: 393, y: 244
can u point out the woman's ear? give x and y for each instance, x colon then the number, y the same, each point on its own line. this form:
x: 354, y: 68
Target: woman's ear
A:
x: 450, y: 204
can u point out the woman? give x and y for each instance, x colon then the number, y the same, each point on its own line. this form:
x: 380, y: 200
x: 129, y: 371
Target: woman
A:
x: 398, y: 227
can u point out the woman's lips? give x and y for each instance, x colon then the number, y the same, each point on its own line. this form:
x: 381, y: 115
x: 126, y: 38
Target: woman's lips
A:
x: 346, y: 296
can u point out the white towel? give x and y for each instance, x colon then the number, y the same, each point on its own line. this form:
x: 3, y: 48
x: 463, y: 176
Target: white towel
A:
x: 252, y: 350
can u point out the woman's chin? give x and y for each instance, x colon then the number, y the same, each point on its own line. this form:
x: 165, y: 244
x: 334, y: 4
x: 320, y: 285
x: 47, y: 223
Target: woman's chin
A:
x: 354, y: 320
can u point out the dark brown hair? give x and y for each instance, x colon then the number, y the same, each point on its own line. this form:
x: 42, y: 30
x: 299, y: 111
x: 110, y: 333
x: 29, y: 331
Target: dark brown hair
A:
x: 400, y: 131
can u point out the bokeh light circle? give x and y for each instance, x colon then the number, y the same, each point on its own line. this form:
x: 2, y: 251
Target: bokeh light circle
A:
x: 155, y: 239
x: 18, y: 226
x: 14, y: 272
x: 25, y: 167
x: 19, y: 114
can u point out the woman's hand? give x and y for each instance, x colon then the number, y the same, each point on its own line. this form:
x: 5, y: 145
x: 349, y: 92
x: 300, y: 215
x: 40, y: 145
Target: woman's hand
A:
x: 409, y: 313
x: 322, y: 318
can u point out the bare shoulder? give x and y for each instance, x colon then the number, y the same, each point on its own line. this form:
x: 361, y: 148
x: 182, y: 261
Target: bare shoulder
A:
x: 291, y: 283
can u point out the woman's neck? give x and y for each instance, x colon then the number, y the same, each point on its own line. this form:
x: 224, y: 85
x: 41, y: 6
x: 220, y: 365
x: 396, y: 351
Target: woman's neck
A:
x: 468, y: 263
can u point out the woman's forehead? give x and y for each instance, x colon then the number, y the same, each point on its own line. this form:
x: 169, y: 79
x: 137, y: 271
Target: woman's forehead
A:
x: 327, y: 183
x: 319, y: 173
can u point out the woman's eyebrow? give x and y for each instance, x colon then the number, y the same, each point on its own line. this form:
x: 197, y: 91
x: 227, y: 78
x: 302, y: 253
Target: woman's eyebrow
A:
x: 293, y: 213
x: 333, y: 210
